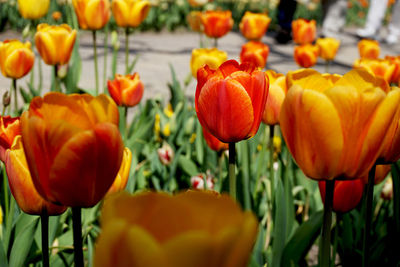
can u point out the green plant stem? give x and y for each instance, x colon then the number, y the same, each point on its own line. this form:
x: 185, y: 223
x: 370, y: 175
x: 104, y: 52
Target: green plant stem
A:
x: 57, y: 87
x: 245, y: 164
x: 77, y: 232
x: 44, y: 217
x: 96, y: 70
x: 14, y: 81
x: 216, y: 42
x: 5, y: 188
x: 9, y: 222
x: 335, y: 238
x: 271, y: 161
x: 105, y: 58
x: 326, y: 226
x: 327, y: 65
x: 368, y: 215
x: 126, y: 122
x: 127, y: 50
x: 232, y: 175
x: 40, y: 75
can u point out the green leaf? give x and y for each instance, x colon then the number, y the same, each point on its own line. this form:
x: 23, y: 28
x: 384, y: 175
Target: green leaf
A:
x: 188, y: 165
x: 199, y: 143
x: 279, y: 233
x: 133, y: 64
x: 3, y: 256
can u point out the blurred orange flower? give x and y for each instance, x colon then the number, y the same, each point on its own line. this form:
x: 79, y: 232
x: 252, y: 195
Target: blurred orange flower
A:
x: 92, y: 14
x: 328, y: 47
x: 379, y: 67
x: 130, y: 13
x: 304, y: 31
x: 126, y: 90
x: 368, y: 48
x: 255, y: 52
x: 9, y: 129
x: 56, y: 15
x: 194, y: 21
x: 276, y: 95
x: 396, y: 73
x: 306, y: 55
x: 16, y: 58
x: 217, y: 23
x: 253, y: 26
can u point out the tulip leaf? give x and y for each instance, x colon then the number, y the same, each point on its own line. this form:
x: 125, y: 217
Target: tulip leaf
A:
x: 396, y: 196
x: 175, y: 88
x: 188, y: 165
x: 302, y: 240
x: 73, y: 76
x: 199, y: 144
x: 3, y: 256
x: 22, y: 244
x: 279, y: 224
x: 133, y: 64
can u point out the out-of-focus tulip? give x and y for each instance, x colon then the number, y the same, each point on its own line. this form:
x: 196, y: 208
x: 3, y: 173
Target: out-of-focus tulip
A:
x: 92, y: 14
x: 213, y: 142
x: 328, y: 47
x: 304, y: 31
x: 230, y: 101
x: 335, y: 130
x: 396, y: 73
x: 126, y: 90
x: 195, y: 228
x: 206, y: 56
x: 166, y: 154
x: 33, y: 9
x: 346, y: 195
x: 255, y: 52
x: 9, y: 129
x: 254, y: 25
x: 194, y: 21
x: 16, y: 58
x: 55, y: 43
x: 56, y: 15
x: 130, y: 13
x: 381, y: 171
x: 368, y: 48
x: 21, y: 185
x: 197, y: 182
x: 123, y: 174
x: 198, y: 3
x: 387, y: 190
x: 73, y: 147
x: 276, y: 95
x: 217, y: 23
x: 306, y: 55
x: 379, y: 67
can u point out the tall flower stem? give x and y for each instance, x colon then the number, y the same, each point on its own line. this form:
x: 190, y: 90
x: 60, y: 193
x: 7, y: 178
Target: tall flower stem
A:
x: 326, y: 226
x: 327, y: 65
x: 57, y: 87
x: 127, y: 50
x: 40, y: 75
x: 271, y: 161
x: 368, y: 215
x: 105, y: 58
x: 232, y: 175
x: 44, y: 218
x: 216, y: 42
x: 126, y: 122
x: 5, y: 189
x: 14, y: 82
x: 77, y: 232
x: 96, y: 70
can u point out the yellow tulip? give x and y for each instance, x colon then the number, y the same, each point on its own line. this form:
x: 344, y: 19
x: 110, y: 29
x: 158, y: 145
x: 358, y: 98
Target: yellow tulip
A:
x: 193, y: 229
x: 55, y: 43
x: 206, y: 56
x: 335, y: 129
x: 368, y: 48
x: 254, y: 25
x: 382, y: 68
x: 123, y: 174
x: 130, y: 13
x: 33, y: 9
x: 328, y: 47
x: 92, y: 14
x: 16, y: 58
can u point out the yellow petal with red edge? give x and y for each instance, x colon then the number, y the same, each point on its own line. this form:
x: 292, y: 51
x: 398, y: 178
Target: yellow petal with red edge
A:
x: 19, y: 63
x: 123, y: 174
x: 104, y: 109
x: 97, y: 14
x: 359, y: 78
x: 120, y: 11
x: 307, y: 79
x: 46, y: 47
x: 138, y: 13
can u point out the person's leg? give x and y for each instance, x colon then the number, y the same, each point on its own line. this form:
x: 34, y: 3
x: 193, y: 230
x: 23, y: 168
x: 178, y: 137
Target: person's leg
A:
x: 334, y: 17
x: 394, y: 25
x: 285, y: 15
x: 376, y: 13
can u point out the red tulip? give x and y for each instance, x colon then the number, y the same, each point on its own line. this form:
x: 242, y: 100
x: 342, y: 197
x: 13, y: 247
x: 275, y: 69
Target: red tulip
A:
x: 217, y: 23
x: 213, y: 142
x: 9, y: 129
x: 255, y: 52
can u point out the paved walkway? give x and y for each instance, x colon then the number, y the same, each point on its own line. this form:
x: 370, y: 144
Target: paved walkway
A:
x: 158, y: 50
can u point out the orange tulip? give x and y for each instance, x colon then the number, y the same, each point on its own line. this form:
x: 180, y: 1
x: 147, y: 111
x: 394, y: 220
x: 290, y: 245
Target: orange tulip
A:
x: 56, y: 15
x: 379, y: 67
x: 130, y: 13
x: 126, y: 90
x: 306, y: 55
x: 33, y: 9
x: 206, y: 56
x: 123, y: 174
x: 16, y: 58
x: 346, y: 195
x: 230, y: 100
x: 396, y: 73
x: 73, y: 147
x: 213, y: 142
x: 255, y: 52
x: 217, y: 23
x: 276, y: 95
x: 304, y: 31
x: 92, y: 14
x: 9, y: 129
x: 368, y: 49
x: 328, y: 47
x: 55, y: 43
x: 336, y: 129
x: 194, y: 21
x: 254, y: 25
x: 381, y: 172
x: 21, y: 185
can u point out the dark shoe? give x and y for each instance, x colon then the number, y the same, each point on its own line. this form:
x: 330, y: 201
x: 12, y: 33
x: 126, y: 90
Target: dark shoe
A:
x: 283, y: 36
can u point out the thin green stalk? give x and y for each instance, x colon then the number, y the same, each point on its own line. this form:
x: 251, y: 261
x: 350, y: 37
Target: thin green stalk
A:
x: 96, y: 70
x: 40, y: 75
x: 216, y: 42
x: 77, y: 232
x: 335, y: 238
x: 14, y: 81
x: 368, y: 216
x: 44, y: 217
x: 126, y: 122
x: 105, y: 58
x: 271, y: 161
x: 232, y: 174
x: 327, y: 65
x: 5, y: 188
x: 57, y: 87
x: 9, y: 222
x: 326, y: 226
x: 245, y: 175
x: 127, y: 50
x: 220, y: 157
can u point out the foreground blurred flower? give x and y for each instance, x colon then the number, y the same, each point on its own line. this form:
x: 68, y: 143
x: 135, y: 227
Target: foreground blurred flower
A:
x: 16, y: 58
x: 335, y: 129
x: 166, y: 154
x: 304, y: 31
x: 55, y: 43
x: 212, y: 57
x: 123, y: 174
x: 255, y: 52
x: 126, y: 90
x: 368, y: 48
x: 387, y: 190
x: 230, y: 100
x: 197, y: 182
x: 92, y: 14
x: 194, y: 228
x: 276, y: 95
x: 213, y: 142
x: 56, y: 15
x: 306, y: 55
x: 73, y: 147
x: 347, y: 194
x: 379, y: 67
x: 396, y: 72
x: 254, y: 25
x: 33, y: 9
x: 328, y: 48
x: 217, y: 23
x: 130, y: 13
x: 9, y: 129
x: 194, y: 21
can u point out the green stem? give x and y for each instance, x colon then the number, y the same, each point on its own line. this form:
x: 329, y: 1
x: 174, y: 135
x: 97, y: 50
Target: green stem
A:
x: 271, y: 161
x: 326, y: 227
x: 5, y: 188
x: 105, y: 58
x: 127, y: 50
x: 9, y: 222
x: 96, y: 70
x: 40, y: 75
x: 57, y: 87
x: 327, y: 65
x: 44, y: 217
x: 14, y: 81
x: 216, y: 42
x: 246, y: 175
x: 368, y: 215
x: 232, y: 175
x: 126, y: 122
x: 77, y: 232
x: 335, y: 238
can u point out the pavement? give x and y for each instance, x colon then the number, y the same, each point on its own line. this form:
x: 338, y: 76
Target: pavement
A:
x: 159, y: 50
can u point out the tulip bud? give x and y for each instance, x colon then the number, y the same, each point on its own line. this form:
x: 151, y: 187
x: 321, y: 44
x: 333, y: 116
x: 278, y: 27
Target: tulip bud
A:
x: 165, y: 154
x: 114, y: 40
x: 62, y: 71
x: 26, y: 31
x: 197, y: 181
x: 387, y: 190
x: 189, y: 125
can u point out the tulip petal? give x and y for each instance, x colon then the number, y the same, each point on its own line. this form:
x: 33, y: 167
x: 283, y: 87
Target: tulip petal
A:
x: 307, y: 79
x: 121, y: 12
x: 47, y: 47
x: 19, y: 63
